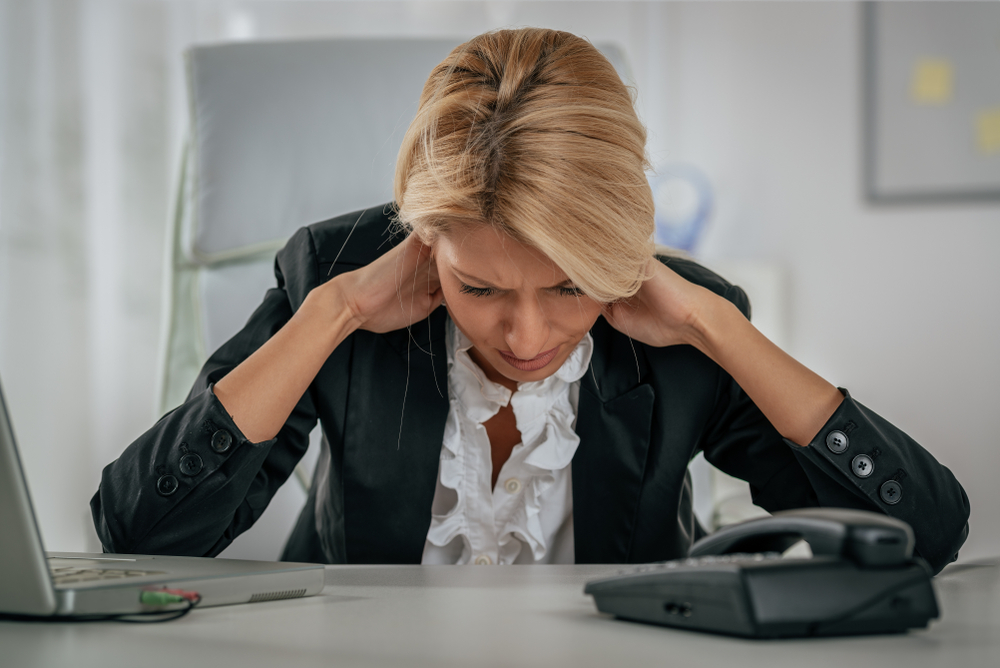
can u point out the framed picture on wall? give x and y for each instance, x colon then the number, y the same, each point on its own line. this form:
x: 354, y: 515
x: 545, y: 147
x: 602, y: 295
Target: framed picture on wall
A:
x: 932, y: 101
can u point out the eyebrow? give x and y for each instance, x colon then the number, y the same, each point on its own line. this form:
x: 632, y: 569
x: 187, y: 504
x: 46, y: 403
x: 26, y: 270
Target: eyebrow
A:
x: 469, y: 278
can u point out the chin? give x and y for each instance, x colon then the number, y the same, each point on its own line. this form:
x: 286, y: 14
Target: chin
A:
x: 529, y: 376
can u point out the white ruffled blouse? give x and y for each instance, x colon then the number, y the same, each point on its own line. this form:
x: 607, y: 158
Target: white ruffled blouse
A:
x: 528, y: 518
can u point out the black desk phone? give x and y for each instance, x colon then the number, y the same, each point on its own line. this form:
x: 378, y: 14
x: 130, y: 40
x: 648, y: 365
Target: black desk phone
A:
x: 861, y: 579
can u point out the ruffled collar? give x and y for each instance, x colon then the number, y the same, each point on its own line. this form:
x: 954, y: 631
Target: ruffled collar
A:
x: 482, y: 398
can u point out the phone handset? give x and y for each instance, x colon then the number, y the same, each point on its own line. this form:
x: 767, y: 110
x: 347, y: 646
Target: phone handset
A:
x: 867, y: 538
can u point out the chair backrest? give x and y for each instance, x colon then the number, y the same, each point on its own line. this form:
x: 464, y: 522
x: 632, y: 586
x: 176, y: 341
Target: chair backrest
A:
x: 282, y: 134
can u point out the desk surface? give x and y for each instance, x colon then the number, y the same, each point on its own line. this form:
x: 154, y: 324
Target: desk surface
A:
x: 490, y: 616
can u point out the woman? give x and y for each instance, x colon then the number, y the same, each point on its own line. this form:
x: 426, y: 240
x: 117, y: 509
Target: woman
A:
x: 503, y: 371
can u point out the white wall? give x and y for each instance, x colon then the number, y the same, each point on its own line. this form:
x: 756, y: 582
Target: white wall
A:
x: 897, y: 303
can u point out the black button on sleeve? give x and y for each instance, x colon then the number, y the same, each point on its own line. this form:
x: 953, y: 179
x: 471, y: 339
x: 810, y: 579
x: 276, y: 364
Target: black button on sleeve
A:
x: 836, y: 441
x: 891, y: 492
x: 863, y: 466
x: 167, y: 485
x: 221, y: 440
x: 191, y: 464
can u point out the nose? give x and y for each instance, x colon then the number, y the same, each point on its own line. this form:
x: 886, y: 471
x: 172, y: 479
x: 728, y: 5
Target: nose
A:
x: 527, y: 328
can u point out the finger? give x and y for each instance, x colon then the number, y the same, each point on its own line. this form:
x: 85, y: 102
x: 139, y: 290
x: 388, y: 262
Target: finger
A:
x: 610, y: 313
x: 433, y: 278
x: 425, y: 252
x: 422, y: 253
x: 437, y: 298
x: 410, y: 261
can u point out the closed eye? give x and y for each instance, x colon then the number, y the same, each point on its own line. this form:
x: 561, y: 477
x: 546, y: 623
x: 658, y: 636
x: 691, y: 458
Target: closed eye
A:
x: 476, y: 292
x: 564, y: 291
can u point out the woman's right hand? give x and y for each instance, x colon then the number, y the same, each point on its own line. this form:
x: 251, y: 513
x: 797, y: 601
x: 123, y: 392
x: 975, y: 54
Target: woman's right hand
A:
x: 396, y: 290
x: 392, y: 292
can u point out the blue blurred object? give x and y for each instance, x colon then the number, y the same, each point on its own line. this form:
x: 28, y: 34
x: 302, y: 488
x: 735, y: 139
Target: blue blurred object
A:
x: 683, y: 198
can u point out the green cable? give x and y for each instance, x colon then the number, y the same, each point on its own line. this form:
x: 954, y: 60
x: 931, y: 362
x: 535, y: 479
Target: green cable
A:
x: 159, y: 598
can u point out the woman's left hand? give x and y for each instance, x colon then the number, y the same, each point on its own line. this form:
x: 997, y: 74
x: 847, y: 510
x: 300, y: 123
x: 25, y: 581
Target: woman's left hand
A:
x: 667, y: 310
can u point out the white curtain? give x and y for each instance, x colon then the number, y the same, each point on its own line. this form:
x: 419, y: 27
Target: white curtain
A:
x: 89, y: 122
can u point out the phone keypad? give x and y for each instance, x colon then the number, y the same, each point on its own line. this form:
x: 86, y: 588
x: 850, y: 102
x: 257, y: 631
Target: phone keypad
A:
x: 708, y: 560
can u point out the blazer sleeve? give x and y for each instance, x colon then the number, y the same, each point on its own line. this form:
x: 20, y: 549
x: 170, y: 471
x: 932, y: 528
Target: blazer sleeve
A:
x: 857, y: 460
x: 193, y: 482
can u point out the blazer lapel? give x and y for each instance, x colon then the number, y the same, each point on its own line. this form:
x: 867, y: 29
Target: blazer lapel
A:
x: 392, y: 442
x: 614, y: 419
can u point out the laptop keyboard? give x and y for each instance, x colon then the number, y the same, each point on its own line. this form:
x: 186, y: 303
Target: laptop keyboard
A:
x: 70, y: 574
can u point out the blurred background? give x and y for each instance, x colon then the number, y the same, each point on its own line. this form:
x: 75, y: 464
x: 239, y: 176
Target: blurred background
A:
x: 875, y: 266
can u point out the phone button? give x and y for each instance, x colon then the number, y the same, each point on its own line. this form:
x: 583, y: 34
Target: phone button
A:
x: 836, y: 440
x: 863, y: 466
x: 891, y: 492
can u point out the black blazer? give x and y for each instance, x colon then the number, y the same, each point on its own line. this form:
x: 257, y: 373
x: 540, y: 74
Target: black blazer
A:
x: 192, y: 483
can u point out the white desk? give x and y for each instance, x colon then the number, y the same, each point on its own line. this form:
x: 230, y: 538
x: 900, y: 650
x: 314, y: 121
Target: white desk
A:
x: 490, y: 616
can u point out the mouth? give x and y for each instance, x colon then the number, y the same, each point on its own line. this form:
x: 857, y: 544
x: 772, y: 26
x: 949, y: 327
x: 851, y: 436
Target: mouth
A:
x: 534, y: 364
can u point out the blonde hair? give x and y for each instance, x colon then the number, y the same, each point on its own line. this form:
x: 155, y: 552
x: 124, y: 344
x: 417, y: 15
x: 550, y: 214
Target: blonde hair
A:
x: 533, y: 132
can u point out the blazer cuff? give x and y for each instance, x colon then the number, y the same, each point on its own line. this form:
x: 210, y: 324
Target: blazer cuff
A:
x: 165, y: 469
x: 890, y: 472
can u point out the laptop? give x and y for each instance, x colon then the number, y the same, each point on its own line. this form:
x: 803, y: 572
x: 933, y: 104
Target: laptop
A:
x: 68, y: 584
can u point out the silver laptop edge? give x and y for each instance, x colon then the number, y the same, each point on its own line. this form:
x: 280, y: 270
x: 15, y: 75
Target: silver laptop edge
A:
x: 27, y: 587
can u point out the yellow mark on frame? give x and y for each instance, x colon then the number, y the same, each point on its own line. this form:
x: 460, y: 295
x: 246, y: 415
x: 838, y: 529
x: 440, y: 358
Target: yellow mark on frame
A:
x: 988, y: 130
x: 932, y: 81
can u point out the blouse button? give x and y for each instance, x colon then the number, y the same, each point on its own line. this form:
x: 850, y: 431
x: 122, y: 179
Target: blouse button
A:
x: 483, y: 560
x: 513, y: 486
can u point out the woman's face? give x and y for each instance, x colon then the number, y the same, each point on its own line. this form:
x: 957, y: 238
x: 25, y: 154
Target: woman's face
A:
x: 522, y: 314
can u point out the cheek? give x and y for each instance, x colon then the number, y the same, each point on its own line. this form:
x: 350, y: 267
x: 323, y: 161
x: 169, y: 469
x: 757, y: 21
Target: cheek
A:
x: 471, y: 314
x: 574, y: 316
